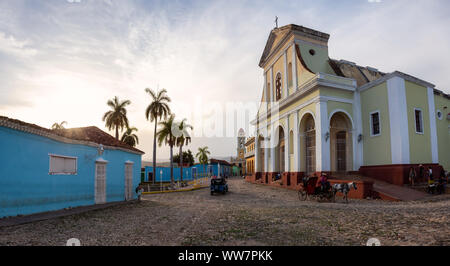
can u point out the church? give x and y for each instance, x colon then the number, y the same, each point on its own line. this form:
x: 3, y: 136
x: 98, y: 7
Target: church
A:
x: 319, y: 114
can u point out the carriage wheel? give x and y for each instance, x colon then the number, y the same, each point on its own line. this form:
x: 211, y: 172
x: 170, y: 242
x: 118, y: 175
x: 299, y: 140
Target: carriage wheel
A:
x: 302, y: 195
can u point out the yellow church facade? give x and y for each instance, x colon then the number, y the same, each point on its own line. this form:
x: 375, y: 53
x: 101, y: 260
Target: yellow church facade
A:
x: 323, y: 115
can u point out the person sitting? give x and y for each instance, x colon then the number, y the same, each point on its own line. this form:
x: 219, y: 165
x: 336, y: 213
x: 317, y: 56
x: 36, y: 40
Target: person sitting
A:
x: 442, y: 181
x: 324, y: 183
x: 412, y: 176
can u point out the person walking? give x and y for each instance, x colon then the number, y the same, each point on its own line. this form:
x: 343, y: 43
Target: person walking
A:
x: 412, y: 176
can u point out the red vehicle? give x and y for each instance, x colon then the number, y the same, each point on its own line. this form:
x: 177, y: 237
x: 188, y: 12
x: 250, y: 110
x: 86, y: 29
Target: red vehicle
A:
x: 310, y: 188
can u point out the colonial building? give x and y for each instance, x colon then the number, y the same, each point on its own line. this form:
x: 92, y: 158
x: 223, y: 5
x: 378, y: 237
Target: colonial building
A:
x: 45, y: 170
x: 320, y: 114
x: 250, y: 156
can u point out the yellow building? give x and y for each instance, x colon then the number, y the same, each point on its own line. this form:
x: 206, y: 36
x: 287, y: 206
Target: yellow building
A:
x: 250, y: 156
x: 320, y: 114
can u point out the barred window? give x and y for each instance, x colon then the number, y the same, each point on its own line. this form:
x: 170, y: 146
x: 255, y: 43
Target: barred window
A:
x: 375, y: 124
x: 62, y: 165
x: 419, y: 121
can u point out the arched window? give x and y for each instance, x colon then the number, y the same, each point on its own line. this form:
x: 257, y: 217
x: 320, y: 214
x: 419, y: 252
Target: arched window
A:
x: 278, y: 87
x: 289, y: 74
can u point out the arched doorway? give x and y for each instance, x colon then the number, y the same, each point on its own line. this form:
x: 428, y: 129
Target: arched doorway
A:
x: 280, y: 150
x: 341, y: 148
x: 308, y: 144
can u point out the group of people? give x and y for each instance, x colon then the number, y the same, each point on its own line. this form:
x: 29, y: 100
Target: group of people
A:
x: 434, y: 186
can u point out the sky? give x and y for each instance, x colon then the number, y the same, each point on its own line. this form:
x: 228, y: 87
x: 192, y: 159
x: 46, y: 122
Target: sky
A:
x: 62, y: 60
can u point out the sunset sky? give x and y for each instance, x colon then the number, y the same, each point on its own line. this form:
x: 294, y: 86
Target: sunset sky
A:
x: 63, y: 59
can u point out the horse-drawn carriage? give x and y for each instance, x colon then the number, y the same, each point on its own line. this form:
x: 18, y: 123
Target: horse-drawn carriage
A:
x: 310, y: 189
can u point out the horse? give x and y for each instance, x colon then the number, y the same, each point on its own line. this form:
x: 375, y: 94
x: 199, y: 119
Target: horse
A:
x: 344, y: 188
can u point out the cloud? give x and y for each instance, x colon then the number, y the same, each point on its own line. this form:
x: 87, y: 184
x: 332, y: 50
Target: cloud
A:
x: 11, y: 46
x: 63, y: 61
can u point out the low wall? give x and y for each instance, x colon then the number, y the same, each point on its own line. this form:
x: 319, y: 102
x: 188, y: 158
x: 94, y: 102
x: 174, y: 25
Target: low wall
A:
x: 397, y: 174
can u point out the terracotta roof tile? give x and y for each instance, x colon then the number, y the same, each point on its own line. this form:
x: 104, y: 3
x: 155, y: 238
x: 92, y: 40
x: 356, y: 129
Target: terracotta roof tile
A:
x: 90, y: 134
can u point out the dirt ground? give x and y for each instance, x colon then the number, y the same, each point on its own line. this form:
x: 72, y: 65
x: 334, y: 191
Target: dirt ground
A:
x: 248, y: 215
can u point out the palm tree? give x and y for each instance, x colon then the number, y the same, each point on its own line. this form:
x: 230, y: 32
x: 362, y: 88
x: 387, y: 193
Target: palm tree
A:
x: 183, y: 138
x: 158, y: 109
x: 202, y: 156
x: 57, y: 126
x: 117, y: 117
x: 129, y: 137
x: 165, y: 135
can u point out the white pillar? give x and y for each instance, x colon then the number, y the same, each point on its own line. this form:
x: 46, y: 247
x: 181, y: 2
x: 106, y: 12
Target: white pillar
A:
x: 287, y: 144
x: 266, y: 89
x: 357, y: 130
x: 257, y: 151
x: 286, y: 86
x: 266, y: 157
x: 322, y: 145
x: 294, y: 68
x: 296, y: 143
x: 433, y: 131
x: 398, y: 119
x: 272, y: 96
x: 272, y: 152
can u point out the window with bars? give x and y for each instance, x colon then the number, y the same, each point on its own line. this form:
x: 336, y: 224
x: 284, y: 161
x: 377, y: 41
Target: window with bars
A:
x: 62, y: 165
x: 419, y: 121
x: 375, y: 129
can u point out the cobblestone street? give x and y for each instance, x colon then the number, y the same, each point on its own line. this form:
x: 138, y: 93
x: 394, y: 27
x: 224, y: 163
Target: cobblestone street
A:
x: 248, y: 215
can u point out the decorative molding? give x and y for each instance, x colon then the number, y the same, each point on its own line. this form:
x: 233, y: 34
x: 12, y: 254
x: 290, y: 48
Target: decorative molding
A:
x: 399, y: 75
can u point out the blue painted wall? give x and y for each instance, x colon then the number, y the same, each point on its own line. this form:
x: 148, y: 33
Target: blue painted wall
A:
x: 187, y: 172
x: 26, y: 186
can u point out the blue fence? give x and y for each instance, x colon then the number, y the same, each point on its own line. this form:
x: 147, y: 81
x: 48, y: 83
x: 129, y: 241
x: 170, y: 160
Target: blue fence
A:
x: 189, y: 173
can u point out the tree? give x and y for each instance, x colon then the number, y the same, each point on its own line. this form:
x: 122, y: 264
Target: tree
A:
x: 117, y: 117
x: 165, y: 135
x: 158, y: 109
x: 202, y: 156
x: 182, y: 138
x: 57, y: 126
x: 188, y: 158
x: 129, y: 137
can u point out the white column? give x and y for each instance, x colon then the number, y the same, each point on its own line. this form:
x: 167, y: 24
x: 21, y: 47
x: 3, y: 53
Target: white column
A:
x: 266, y: 157
x: 296, y: 143
x: 286, y: 86
x: 266, y: 89
x: 322, y: 145
x: 273, y: 141
x: 398, y: 119
x: 272, y: 96
x: 257, y: 151
x: 433, y: 131
x: 294, y: 67
x: 357, y: 130
x: 287, y: 144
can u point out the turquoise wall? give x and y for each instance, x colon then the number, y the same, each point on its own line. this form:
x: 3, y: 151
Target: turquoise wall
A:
x: 26, y: 186
x: 187, y: 172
